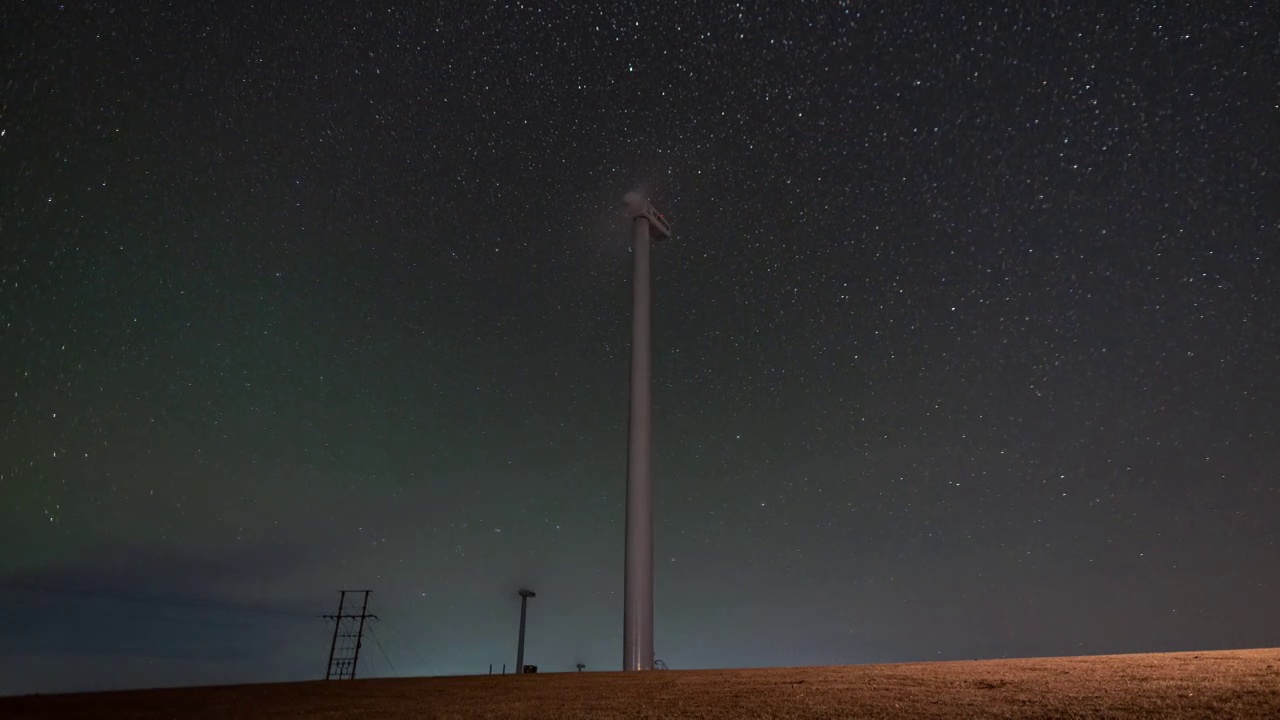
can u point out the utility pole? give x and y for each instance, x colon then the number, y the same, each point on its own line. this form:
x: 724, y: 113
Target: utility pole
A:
x: 333, y: 644
x: 524, y: 605
x: 364, y: 613
x: 637, y: 604
x: 340, y: 665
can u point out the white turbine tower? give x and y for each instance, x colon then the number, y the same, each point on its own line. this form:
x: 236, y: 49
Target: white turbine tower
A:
x: 637, y: 609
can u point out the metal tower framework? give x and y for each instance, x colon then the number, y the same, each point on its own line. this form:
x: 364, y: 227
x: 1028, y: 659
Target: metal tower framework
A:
x: 344, y: 648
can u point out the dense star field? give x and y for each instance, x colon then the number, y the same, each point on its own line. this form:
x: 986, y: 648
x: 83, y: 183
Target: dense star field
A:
x: 966, y: 344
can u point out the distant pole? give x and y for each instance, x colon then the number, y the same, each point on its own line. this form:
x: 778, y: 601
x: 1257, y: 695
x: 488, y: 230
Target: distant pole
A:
x: 524, y: 605
x: 333, y: 644
x: 490, y: 668
x: 637, y: 608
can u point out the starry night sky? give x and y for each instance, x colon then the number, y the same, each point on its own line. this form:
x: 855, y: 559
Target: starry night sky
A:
x: 967, y: 344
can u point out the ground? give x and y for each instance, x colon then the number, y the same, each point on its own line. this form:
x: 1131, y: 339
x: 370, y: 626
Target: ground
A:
x: 1226, y: 684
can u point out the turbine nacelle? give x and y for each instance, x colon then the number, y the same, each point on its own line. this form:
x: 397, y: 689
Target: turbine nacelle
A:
x: 638, y: 206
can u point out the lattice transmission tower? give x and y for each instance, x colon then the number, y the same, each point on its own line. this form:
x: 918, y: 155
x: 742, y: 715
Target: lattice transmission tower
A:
x: 348, y: 635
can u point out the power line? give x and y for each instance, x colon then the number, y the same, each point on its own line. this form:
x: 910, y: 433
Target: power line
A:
x: 145, y: 615
x: 378, y: 642
x: 158, y: 600
x: 412, y: 649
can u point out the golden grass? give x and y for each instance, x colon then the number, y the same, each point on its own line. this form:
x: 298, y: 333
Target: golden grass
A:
x: 1226, y: 684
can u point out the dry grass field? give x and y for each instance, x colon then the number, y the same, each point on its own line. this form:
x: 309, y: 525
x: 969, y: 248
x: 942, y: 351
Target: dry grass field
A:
x: 1228, y: 684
